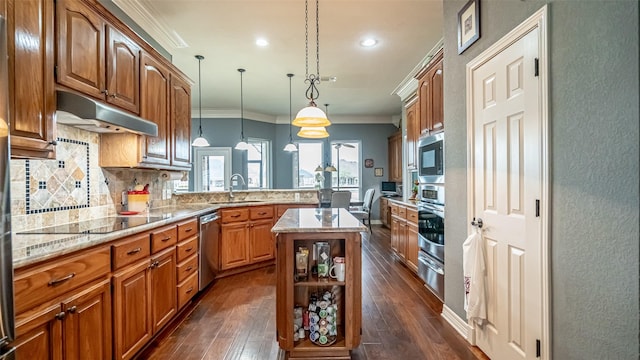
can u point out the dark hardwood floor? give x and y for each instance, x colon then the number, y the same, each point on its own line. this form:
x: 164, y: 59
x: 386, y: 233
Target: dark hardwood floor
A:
x: 235, y: 317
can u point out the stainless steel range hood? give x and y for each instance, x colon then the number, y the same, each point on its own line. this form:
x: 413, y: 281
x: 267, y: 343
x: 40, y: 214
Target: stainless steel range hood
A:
x: 88, y: 114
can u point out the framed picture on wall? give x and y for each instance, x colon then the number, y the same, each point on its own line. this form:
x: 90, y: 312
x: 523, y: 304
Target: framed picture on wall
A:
x: 368, y: 163
x: 468, y: 25
x: 378, y: 172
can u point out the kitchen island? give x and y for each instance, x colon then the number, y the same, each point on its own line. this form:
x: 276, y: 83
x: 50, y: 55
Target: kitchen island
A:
x: 317, y: 315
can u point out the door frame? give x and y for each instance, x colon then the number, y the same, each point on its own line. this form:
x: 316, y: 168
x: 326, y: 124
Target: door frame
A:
x: 539, y: 20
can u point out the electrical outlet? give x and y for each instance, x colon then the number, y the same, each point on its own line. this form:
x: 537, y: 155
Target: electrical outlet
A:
x: 297, y: 196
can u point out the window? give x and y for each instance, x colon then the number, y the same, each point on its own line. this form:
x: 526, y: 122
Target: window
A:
x: 345, y: 155
x: 305, y: 161
x: 258, y: 161
x: 212, y: 168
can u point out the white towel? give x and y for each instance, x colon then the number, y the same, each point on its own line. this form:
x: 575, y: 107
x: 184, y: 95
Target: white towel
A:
x: 474, y: 269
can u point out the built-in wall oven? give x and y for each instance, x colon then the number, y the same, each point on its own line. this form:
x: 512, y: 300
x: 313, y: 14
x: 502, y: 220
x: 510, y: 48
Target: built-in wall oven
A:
x: 431, y: 238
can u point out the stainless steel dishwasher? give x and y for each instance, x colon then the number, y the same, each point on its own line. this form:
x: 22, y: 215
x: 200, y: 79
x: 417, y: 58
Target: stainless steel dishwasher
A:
x: 207, y: 262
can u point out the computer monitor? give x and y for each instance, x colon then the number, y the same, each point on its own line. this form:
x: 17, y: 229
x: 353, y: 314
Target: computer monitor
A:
x: 388, y: 188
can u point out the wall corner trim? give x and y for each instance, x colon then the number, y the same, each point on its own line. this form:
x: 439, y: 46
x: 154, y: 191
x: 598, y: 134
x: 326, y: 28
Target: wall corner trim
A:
x: 464, y: 329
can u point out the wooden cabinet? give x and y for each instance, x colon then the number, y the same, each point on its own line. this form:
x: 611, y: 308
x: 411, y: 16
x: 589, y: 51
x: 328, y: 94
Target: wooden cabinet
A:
x: 246, y: 236
x: 413, y: 132
x: 430, y: 93
x: 187, y: 261
x: 180, y: 105
x: 145, y: 291
x: 395, y: 157
x: 347, y: 294
x: 32, y: 97
x: 154, y: 101
x: 412, y: 247
x: 95, y: 58
x: 404, y: 234
x: 385, y: 212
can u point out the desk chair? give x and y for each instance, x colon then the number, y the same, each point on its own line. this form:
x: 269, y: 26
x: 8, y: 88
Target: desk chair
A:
x: 340, y: 199
x: 364, y: 213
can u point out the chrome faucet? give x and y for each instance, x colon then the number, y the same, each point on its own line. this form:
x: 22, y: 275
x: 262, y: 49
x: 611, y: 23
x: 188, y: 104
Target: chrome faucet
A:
x: 231, y: 184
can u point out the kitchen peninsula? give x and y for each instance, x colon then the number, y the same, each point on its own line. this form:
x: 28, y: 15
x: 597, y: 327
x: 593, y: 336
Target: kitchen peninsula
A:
x: 332, y: 307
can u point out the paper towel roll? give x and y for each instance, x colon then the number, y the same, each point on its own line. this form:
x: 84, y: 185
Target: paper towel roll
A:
x: 170, y: 175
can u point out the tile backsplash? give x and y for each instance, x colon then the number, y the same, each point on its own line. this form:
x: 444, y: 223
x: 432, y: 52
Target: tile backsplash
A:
x: 73, y: 187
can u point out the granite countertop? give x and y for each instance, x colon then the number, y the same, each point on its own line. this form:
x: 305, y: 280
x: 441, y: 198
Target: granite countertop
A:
x: 409, y: 202
x: 33, y: 248
x: 318, y: 220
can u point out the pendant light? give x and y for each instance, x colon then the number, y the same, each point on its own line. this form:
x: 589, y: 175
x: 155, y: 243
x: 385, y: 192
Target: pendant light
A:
x: 290, y: 147
x: 200, y: 141
x: 242, y: 145
x: 312, y: 116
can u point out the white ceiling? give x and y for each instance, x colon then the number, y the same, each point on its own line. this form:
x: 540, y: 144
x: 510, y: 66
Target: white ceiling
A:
x: 225, y: 31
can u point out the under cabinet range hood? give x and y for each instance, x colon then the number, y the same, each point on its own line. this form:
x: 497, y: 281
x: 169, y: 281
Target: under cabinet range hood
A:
x: 91, y: 115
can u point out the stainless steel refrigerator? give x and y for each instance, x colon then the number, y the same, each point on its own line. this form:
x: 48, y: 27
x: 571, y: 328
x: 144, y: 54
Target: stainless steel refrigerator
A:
x: 7, y: 331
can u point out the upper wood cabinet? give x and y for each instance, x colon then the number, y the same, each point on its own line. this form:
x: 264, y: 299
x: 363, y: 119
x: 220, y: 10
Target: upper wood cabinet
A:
x: 180, y: 122
x: 430, y: 93
x: 32, y: 98
x: 154, y: 99
x: 395, y: 157
x: 413, y: 132
x: 96, y: 59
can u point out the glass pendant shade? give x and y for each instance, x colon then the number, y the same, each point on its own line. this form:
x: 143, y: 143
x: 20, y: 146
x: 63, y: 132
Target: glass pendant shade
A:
x: 290, y: 147
x: 315, y: 132
x: 330, y: 168
x: 242, y: 145
x: 200, y: 142
x: 311, y: 116
x: 319, y: 168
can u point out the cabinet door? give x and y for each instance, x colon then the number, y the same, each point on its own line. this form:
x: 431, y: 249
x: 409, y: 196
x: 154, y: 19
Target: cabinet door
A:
x: 424, y: 103
x: 180, y: 122
x: 436, y: 103
x: 234, y: 245
x: 412, y: 246
x: 262, y: 242
x: 413, y: 132
x: 402, y: 239
x: 123, y: 71
x: 163, y: 288
x: 154, y: 106
x: 80, y: 48
x: 31, y: 83
x: 395, y: 233
x: 132, y: 309
x: 41, y: 336
x: 87, y: 326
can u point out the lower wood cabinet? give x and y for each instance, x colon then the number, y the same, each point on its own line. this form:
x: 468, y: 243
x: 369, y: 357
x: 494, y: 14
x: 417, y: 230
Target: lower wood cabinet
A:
x: 144, y: 301
x: 234, y: 247
x: 261, y: 240
x: 246, y: 236
x: 78, y: 325
x: 404, y: 234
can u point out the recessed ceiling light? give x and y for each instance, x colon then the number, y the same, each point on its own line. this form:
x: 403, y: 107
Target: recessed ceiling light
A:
x: 262, y: 42
x: 369, y: 42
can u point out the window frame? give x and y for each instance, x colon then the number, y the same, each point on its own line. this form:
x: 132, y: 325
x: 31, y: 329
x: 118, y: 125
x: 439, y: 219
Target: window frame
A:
x: 266, y: 163
x: 198, y: 153
x: 358, y: 143
x: 296, y: 162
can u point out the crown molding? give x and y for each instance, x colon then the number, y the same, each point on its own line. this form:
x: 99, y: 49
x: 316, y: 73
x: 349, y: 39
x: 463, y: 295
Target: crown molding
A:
x: 406, y: 83
x: 283, y: 119
x: 144, y: 14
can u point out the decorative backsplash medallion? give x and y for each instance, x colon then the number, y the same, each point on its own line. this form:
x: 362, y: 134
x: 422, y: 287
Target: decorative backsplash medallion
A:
x: 59, y: 184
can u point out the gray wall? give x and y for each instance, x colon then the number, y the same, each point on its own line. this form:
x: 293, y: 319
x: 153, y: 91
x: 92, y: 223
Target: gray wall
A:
x: 593, y: 47
x: 226, y: 133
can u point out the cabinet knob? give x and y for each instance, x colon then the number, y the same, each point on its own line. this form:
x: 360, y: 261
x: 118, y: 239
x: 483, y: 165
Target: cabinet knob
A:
x: 72, y: 310
x: 112, y: 96
x: 61, y: 315
x: 53, y: 142
x: 105, y: 91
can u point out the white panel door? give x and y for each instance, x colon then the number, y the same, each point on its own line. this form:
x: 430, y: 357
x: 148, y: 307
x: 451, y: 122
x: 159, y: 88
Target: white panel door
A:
x: 506, y: 185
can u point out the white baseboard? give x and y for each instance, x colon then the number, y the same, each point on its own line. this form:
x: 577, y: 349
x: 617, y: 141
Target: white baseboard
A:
x: 377, y: 222
x: 459, y: 324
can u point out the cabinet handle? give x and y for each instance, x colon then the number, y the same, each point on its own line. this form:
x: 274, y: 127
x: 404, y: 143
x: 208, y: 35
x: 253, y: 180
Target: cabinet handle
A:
x: 61, y: 315
x: 72, y: 310
x: 189, y: 249
x: 61, y: 280
x: 53, y: 142
x: 154, y: 264
x: 236, y: 215
x: 105, y: 91
x: 190, y: 290
x: 262, y: 213
x: 189, y: 268
x: 134, y: 251
x: 188, y: 230
x: 166, y: 239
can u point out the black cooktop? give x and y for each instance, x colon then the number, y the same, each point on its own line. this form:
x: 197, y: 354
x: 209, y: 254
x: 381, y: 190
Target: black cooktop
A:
x: 97, y: 226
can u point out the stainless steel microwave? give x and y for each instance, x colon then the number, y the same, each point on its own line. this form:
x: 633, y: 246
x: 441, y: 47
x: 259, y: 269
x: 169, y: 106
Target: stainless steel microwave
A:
x: 431, y: 159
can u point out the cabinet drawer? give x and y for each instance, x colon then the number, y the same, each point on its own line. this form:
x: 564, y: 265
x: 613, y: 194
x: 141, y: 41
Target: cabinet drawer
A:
x: 187, y: 268
x: 187, y: 289
x: 402, y: 211
x: 394, y: 209
x: 261, y: 212
x: 130, y: 250
x: 187, y: 248
x: 412, y: 216
x: 46, y: 282
x: 163, y: 238
x: 234, y: 215
x: 187, y: 229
